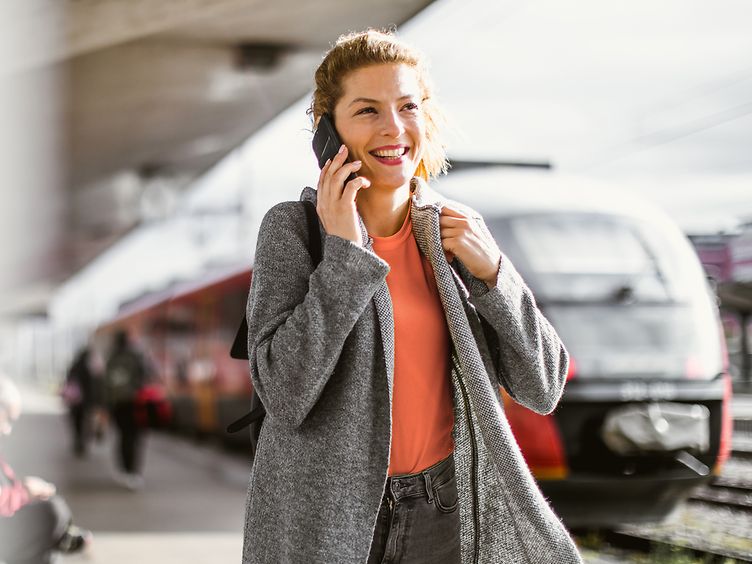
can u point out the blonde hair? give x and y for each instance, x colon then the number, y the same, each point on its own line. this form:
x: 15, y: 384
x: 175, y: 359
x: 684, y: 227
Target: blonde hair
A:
x: 373, y: 47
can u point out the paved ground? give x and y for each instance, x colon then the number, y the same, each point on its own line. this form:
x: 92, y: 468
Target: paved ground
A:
x: 190, y: 510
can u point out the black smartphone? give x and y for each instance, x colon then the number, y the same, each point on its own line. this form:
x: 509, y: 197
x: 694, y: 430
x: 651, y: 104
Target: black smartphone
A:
x: 326, y: 143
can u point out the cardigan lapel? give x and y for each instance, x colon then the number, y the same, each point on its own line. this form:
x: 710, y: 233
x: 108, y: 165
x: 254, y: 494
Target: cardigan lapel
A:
x: 426, y: 208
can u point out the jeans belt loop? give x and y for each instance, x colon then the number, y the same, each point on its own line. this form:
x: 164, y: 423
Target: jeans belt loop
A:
x: 429, y: 489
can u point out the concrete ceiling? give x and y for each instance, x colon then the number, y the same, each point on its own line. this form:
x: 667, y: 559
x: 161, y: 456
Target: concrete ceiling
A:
x: 138, y: 89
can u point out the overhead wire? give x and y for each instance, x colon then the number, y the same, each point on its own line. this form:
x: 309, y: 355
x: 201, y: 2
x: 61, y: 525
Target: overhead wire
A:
x: 670, y: 134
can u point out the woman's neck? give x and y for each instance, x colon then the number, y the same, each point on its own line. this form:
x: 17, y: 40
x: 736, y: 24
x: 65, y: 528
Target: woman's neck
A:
x: 383, y: 210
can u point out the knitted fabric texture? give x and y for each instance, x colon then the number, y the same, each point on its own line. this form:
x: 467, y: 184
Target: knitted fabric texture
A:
x: 321, y: 348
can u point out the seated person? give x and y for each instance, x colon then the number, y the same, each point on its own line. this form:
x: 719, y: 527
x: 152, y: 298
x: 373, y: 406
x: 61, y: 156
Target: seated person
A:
x: 35, y: 523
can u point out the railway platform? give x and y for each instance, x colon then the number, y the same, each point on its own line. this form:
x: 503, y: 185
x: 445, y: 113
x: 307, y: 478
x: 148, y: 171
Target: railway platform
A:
x: 189, y: 510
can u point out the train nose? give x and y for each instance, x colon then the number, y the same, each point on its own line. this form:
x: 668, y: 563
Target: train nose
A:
x: 657, y: 427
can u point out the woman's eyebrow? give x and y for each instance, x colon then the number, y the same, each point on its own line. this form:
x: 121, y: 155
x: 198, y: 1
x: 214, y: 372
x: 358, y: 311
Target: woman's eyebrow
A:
x: 372, y: 101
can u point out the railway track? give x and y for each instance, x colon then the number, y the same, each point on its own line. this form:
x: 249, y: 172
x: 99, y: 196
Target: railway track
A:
x: 725, y: 492
x: 741, y: 446
x: 714, y: 526
x: 659, y: 545
x: 734, y: 487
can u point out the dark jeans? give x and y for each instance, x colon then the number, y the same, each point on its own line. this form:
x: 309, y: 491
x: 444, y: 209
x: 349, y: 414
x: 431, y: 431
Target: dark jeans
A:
x: 419, y: 518
x: 32, y: 533
x: 129, y: 436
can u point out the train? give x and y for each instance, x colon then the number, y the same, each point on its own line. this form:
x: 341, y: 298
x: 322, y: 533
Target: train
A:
x: 626, y: 293
x: 185, y: 333
x: 645, y: 415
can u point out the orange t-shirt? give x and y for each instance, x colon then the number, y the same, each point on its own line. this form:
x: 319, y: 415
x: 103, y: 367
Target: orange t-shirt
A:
x: 422, y: 406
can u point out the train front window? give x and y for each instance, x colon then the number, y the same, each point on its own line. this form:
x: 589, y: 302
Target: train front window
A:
x: 589, y: 257
x: 626, y: 296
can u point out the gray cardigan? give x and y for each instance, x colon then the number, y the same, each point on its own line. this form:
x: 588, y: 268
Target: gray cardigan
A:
x: 321, y: 348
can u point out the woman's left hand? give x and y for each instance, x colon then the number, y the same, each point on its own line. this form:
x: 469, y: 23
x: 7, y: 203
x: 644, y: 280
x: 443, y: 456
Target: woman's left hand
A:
x: 463, y: 237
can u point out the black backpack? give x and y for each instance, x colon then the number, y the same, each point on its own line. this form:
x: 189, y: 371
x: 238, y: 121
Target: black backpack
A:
x: 125, y: 375
x: 239, y: 350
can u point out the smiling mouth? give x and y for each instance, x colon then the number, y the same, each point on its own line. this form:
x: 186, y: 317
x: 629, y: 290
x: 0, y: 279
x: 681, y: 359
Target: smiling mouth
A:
x: 390, y: 153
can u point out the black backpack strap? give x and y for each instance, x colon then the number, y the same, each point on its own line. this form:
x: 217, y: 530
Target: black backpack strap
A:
x: 314, y: 233
x: 246, y: 420
x: 239, y: 348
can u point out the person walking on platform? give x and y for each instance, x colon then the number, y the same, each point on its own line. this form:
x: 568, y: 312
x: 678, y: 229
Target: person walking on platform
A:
x: 78, y: 394
x: 379, y: 363
x: 35, y: 522
x: 125, y: 375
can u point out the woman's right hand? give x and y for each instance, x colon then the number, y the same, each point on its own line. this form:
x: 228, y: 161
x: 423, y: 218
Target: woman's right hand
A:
x: 336, y: 200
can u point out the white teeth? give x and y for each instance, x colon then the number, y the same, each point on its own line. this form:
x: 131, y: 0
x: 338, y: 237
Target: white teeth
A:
x: 389, y: 153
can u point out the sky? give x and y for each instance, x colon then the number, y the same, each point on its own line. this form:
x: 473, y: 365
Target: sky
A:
x: 654, y: 98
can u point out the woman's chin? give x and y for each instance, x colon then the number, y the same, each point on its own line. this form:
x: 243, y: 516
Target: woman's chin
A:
x: 392, y: 179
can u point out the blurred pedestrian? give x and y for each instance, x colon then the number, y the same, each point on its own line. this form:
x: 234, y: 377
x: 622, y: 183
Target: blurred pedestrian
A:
x: 35, y: 522
x: 100, y: 416
x: 78, y: 394
x: 125, y: 374
x: 380, y: 364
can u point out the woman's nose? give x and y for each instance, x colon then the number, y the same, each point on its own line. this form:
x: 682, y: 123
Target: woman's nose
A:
x: 392, y: 125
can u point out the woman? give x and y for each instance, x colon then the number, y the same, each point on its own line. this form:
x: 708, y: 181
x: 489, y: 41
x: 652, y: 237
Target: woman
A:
x: 385, y: 438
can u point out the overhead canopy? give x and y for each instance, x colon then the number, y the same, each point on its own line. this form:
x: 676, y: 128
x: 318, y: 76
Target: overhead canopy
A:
x: 130, y: 92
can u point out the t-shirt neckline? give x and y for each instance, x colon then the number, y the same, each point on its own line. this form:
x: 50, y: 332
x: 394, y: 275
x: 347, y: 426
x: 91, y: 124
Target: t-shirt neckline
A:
x: 394, y: 241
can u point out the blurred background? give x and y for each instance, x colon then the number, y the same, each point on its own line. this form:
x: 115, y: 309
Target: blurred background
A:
x: 142, y: 142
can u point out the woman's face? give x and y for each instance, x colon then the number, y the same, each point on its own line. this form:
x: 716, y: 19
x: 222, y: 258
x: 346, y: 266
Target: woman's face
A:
x: 380, y: 119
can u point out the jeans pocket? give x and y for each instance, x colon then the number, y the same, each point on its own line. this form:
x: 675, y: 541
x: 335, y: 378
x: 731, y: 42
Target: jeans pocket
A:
x: 445, y: 496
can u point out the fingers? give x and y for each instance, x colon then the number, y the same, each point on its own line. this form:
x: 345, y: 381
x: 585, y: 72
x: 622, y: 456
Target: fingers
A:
x: 331, y: 165
x: 451, y: 217
x: 448, y: 244
x: 448, y: 211
x: 452, y: 221
x: 339, y: 177
x: 451, y: 232
x: 336, y: 165
x: 351, y: 188
x: 334, y: 174
x: 322, y: 174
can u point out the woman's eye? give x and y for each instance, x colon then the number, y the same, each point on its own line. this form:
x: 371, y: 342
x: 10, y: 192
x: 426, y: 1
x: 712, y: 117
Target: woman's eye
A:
x: 369, y: 109
x: 411, y: 106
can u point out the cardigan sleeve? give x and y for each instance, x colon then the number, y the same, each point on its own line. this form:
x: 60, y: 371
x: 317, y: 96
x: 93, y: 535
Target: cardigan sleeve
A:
x: 298, y: 317
x: 531, y: 358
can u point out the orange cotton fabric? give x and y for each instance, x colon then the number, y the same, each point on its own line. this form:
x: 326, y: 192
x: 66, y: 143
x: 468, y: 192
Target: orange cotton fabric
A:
x: 422, y: 407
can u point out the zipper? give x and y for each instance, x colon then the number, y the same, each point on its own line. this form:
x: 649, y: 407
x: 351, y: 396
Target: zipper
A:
x: 473, y: 478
